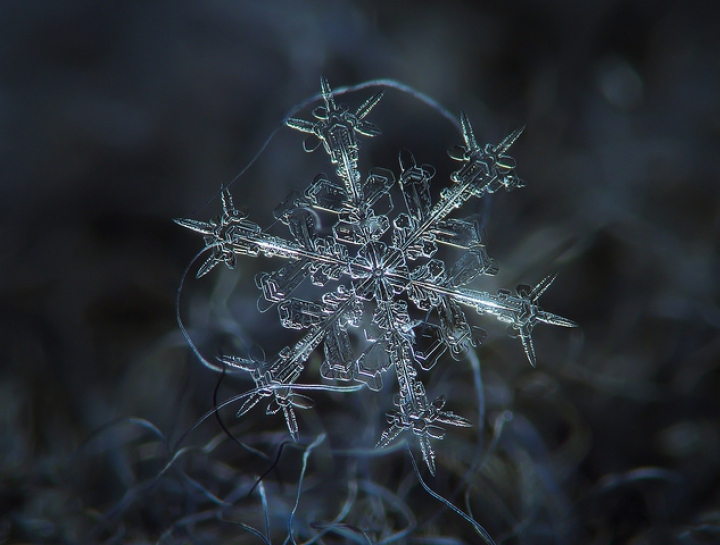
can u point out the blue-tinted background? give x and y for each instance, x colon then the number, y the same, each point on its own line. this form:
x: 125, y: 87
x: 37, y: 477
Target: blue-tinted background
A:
x: 116, y: 117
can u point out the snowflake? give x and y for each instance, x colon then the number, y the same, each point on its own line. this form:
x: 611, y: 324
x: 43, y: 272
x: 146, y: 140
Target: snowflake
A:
x: 385, y: 264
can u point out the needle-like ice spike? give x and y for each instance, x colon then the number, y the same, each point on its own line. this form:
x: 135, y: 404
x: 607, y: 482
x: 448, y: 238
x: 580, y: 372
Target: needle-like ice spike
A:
x: 542, y: 287
x: 327, y: 94
x: 368, y: 105
x: 509, y: 140
x: 202, y: 227
x: 468, y: 134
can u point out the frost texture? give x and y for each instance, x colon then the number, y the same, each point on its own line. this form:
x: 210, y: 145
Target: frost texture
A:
x: 379, y: 263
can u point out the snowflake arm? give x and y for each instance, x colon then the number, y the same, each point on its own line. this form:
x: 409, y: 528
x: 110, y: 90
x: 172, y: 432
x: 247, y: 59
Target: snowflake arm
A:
x: 335, y: 128
x: 484, y: 170
x: 219, y: 233
x: 327, y: 320
x: 521, y: 311
x: 274, y: 380
x: 414, y: 412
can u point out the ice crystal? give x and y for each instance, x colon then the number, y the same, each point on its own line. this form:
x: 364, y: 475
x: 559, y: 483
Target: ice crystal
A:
x: 380, y: 264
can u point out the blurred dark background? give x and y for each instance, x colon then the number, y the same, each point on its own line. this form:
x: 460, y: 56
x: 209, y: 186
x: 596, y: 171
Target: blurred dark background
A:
x: 116, y: 117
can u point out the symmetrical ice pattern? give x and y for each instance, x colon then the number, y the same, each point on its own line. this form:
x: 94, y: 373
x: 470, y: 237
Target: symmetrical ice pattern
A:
x: 373, y: 266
